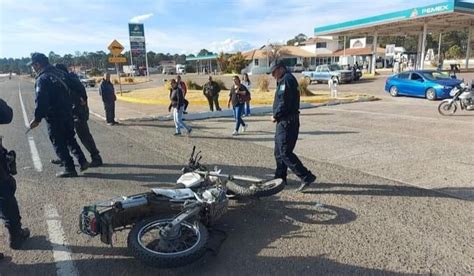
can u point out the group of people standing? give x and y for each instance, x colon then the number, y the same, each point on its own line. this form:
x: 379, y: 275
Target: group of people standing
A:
x: 62, y: 102
x: 285, y: 114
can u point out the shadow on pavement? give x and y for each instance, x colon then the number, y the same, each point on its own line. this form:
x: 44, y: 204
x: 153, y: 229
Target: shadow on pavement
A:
x: 387, y: 190
x: 250, y: 228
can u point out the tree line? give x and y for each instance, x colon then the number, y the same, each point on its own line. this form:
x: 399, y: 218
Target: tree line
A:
x: 454, y: 46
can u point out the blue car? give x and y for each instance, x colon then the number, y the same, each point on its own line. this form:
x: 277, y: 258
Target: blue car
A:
x: 428, y: 84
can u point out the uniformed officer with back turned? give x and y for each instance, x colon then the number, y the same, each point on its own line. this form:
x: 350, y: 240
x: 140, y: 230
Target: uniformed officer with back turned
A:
x: 286, y: 116
x: 54, y: 104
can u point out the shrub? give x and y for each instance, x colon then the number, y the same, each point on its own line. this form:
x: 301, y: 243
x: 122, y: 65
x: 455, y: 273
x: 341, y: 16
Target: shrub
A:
x: 303, y: 87
x: 116, y: 81
x: 221, y: 84
x: 263, y: 84
x: 129, y: 80
x: 191, y: 85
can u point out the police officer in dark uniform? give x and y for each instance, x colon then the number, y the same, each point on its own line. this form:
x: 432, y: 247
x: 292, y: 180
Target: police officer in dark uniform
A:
x: 81, y: 116
x: 54, y: 104
x: 9, y: 211
x: 286, y: 116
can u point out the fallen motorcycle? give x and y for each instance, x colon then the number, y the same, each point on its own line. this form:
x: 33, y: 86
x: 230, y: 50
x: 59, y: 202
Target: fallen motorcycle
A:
x: 169, y: 226
x: 461, y: 95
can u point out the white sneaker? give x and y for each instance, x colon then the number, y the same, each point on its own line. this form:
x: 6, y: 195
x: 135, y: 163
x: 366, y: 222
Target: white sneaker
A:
x: 235, y: 133
x: 244, y: 128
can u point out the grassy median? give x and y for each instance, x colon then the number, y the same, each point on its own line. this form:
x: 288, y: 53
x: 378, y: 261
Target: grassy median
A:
x: 160, y: 96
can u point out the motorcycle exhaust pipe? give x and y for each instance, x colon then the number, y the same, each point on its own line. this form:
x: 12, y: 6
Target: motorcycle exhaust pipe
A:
x: 132, y: 202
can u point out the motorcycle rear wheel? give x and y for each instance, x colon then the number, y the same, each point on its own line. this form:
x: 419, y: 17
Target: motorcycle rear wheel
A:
x: 153, y: 250
x: 447, y: 109
x: 264, y: 189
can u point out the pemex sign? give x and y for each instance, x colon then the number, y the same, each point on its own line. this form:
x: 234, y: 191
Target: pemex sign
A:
x: 137, y: 39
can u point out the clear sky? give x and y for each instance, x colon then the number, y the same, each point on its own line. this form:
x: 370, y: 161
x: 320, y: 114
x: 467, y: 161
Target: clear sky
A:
x: 178, y: 26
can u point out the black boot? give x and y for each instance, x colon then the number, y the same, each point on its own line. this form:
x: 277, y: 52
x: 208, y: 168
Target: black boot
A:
x: 96, y: 162
x: 17, y: 239
x: 83, y: 165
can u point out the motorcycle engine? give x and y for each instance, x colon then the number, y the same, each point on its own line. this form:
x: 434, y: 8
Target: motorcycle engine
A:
x: 217, y: 203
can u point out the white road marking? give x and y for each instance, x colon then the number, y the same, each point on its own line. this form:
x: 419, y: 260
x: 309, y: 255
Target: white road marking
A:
x: 97, y: 115
x: 35, y: 155
x: 34, y: 151
x: 25, y: 117
x: 61, y: 252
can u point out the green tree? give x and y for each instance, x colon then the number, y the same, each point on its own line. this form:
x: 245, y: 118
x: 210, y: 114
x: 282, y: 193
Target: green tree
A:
x: 236, y: 63
x: 454, y: 52
x: 204, y: 52
x: 297, y: 39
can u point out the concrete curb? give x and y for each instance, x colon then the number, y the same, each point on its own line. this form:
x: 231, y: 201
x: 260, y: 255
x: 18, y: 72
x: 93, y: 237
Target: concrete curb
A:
x: 255, y: 111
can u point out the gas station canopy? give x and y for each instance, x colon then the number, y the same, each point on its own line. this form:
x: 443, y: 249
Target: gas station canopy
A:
x: 443, y: 17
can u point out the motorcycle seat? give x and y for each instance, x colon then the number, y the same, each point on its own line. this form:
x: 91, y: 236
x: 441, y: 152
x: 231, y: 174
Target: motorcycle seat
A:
x: 178, y: 194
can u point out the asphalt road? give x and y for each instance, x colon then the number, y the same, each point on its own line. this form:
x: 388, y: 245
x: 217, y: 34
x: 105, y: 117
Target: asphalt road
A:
x: 355, y: 221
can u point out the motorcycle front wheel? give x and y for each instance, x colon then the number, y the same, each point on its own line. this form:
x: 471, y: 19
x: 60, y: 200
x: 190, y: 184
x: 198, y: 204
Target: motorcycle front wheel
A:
x: 447, y: 108
x: 263, y: 189
x: 146, y: 243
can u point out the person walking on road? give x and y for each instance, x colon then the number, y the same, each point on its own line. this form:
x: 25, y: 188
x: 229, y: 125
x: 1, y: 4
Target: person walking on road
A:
x: 81, y: 116
x: 211, y: 90
x: 9, y: 211
x: 177, y: 102
x: 184, y: 88
x: 54, y: 104
x: 286, y: 116
x: 238, y: 96
x: 107, y: 91
x: 247, y: 83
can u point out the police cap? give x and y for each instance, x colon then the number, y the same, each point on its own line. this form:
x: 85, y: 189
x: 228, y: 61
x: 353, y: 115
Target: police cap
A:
x: 38, y: 58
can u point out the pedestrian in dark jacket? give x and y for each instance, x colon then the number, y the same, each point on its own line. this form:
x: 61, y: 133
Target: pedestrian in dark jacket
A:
x: 9, y: 211
x: 177, y: 102
x: 54, y: 104
x: 238, y: 96
x: 286, y: 116
x: 81, y: 116
x: 107, y: 92
x: 211, y: 90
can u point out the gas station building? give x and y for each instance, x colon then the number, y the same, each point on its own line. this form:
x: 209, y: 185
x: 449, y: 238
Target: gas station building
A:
x: 453, y: 15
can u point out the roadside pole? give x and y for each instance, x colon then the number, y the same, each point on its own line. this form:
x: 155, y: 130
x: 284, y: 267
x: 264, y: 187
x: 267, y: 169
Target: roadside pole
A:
x: 115, y: 50
x: 118, y: 76
x: 146, y: 63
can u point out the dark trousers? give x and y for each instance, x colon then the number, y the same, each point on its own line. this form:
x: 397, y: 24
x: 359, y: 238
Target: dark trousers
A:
x: 62, y: 136
x: 109, y: 111
x: 9, y: 211
x: 84, y: 134
x: 186, y: 103
x: 213, y: 101
x: 286, y: 135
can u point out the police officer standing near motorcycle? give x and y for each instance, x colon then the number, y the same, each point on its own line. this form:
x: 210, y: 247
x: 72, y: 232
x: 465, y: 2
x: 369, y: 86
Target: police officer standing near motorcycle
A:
x: 54, y: 104
x: 9, y: 211
x: 81, y: 116
x: 286, y: 116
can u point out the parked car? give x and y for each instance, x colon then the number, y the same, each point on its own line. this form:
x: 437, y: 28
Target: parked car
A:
x: 87, y: 82
x: 428, y: 84
x: 324, y: 73
x: 297, y: 68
